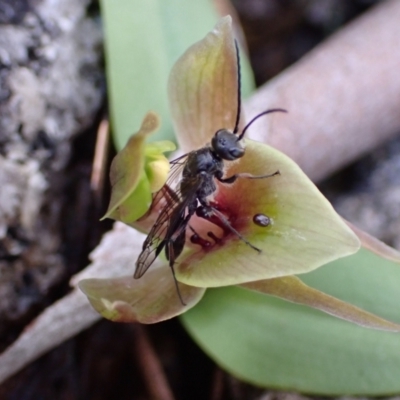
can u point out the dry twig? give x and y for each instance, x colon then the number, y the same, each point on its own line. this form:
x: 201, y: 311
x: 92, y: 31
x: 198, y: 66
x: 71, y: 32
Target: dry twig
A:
x: 343, y: 97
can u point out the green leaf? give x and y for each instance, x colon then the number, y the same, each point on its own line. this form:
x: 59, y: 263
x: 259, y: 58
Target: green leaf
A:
x: 143, y: 41
x: 273, y: 343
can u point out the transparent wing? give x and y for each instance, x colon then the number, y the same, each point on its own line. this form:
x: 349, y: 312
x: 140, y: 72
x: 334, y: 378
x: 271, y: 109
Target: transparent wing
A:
x: 172, y: 208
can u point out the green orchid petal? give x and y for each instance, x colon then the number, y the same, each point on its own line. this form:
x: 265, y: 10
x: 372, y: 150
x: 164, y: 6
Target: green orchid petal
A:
x: 157, y: 165
x: 137, y: 171
x: 305, y: 231
x: 153, y: 298
x: 157, y: 173
x: 294, y: 290
x: 136, y: 204
x: 153, y: 149
x: 203, y: 87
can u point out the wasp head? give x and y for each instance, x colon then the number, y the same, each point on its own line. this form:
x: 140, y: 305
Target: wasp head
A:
x: 227, y: 145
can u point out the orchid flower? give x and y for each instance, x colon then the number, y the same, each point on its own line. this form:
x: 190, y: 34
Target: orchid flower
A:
x: 304, y: 232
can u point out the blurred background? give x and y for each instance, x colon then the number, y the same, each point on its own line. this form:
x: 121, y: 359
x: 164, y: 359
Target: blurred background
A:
x: 53, y: 97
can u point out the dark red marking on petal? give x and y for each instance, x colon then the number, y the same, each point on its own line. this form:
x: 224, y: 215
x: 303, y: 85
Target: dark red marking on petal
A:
x: 197, y: 239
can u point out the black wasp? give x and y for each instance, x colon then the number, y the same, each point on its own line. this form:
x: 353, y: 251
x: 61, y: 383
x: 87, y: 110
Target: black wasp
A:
x: 199, y: 171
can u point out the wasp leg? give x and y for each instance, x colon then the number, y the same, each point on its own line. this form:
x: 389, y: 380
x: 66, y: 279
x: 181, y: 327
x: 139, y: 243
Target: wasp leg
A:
x: 175, y: 246
x: 172, y: 247
x: 245, y: 175
x: 214, y: 216
x: 169, y: 249
x: 176, y: 233
x: 176, y: 241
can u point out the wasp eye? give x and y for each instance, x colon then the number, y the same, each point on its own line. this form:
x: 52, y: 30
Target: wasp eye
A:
x: 237, y: 152
x: 226, y: 145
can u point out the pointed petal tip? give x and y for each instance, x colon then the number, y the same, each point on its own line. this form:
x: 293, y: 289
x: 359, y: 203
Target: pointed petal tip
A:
x: 223, y: 23
x: 292, y: 289
x: 374, y: 245
x: 151, y: 123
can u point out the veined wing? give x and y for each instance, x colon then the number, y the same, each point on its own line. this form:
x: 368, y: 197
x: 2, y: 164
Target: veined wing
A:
x: 173, y: 210
x: 167, y: 194
x: 171, y: 186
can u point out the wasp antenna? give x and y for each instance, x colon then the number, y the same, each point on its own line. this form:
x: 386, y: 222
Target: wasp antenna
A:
x: 239, y: 94
x: 258, y: 116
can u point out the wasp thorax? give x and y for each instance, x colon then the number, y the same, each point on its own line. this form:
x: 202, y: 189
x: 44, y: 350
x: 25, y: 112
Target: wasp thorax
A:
x: 226, y: 145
